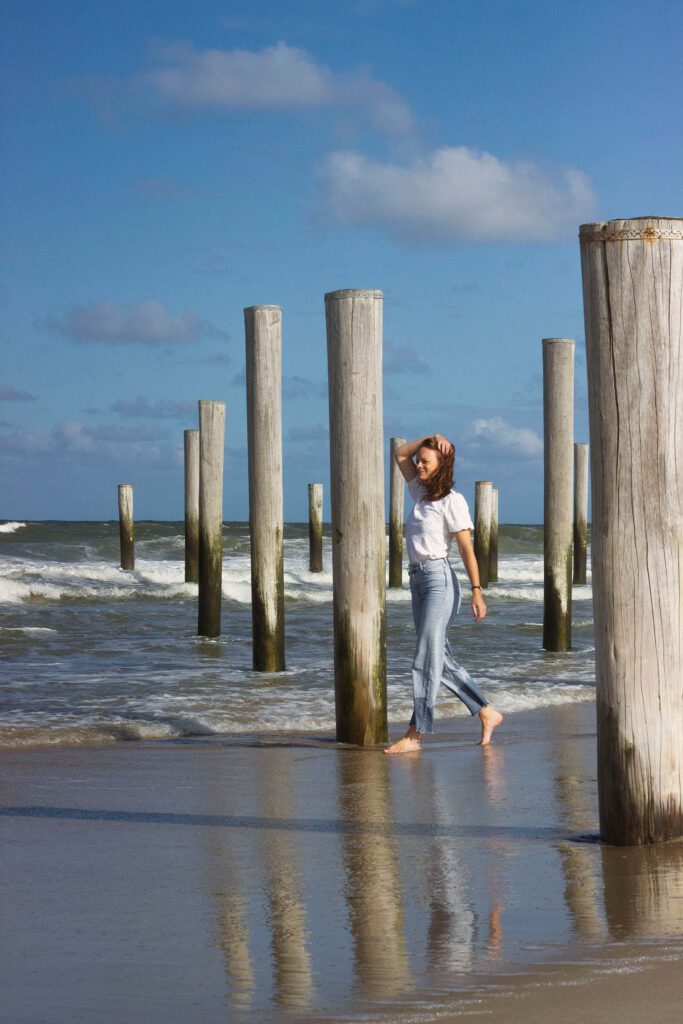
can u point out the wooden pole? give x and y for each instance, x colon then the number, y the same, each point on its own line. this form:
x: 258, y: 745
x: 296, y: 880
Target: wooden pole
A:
x: 315, y: 527
x: 191, y: 438
x: 633, y: 296
x: 580, y: 512
x: 211, y: 445
x: 263, y: 332
x: 493, y: 541
x: 483, y: 500
x: 354, y: 356
x: 126, y: 526
x: 395, y: 515
x: 558, y: 491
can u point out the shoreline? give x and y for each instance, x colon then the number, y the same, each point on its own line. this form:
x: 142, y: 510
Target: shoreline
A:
x: 112, y: 734
x: 285, y: 874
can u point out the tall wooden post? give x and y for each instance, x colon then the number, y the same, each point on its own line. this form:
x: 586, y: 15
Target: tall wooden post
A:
x: 354, y: 356
x: 483, y: 500
x: 395, y: 515
x: 211, y: 445
x: 580, y: 512
x: 263, y: 330
x: 633, y: 301
x: 558, y: 491
x: 191, y: 438
x: 493, y: 540
x: 315, y: 527
x: 126, y: 526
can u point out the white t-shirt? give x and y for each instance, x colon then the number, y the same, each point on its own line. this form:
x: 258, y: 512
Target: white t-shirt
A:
x: 430, y: 525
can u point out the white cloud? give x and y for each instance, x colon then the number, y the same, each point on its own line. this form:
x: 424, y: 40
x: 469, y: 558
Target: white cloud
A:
x: 496, y: 433
x: 457, y: 194
x: 279, y: 77
x: 146, y: 323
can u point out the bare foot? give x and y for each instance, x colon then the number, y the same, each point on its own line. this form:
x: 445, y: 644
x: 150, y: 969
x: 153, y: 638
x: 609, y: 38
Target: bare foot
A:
x: 410, y: 744
x: 490, y: 720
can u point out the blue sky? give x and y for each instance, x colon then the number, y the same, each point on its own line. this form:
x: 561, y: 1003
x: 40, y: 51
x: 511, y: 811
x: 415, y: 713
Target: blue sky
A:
x: 165, y: 166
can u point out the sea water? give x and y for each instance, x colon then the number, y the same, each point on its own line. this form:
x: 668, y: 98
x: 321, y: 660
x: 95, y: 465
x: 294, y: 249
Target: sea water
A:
x: 90, y: 653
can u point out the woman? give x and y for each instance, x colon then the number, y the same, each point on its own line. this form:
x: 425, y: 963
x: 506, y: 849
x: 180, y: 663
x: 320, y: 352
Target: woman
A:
x: 440, y: 514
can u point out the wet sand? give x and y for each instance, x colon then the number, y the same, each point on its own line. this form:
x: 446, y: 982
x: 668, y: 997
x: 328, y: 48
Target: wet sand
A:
x: 264, y: 878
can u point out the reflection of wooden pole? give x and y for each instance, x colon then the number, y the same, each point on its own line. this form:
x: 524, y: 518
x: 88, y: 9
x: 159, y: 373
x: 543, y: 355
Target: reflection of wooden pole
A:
x: 263, y: 327
x: 315, y: 527
x: 493, y: 541
x: 580, y: 512
x: 642, y: 889
x: 354, y: 356
x: 211, y: 442
x: 483, y: 499
x: 373, y: 882
x: 578, y: 860
x: 288, y: 929
x: 126, y: 526
x: 234, y: 941
x: 558, y: 490
x: 395, y: 515
x: 191, y: 506
x: 633, y: 292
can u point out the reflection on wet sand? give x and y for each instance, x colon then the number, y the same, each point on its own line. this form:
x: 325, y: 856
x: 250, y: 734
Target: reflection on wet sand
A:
x: 495, y: 786
x: 643, y: 888
x: 578, y: 861
x: 234, y: 941
x: 292, y: 981
x: 452, y: 922
x: 374, y: 894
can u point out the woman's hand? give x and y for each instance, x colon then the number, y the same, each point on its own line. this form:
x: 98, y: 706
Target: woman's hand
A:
x: 478, y: 605
x: 445, y: 446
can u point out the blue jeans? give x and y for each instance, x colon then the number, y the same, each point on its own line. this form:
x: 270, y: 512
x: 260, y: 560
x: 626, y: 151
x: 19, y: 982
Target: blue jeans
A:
x: 435, y: 594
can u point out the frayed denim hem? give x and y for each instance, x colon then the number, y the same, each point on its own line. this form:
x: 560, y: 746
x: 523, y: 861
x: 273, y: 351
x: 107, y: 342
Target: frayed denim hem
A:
x: 423, y: 716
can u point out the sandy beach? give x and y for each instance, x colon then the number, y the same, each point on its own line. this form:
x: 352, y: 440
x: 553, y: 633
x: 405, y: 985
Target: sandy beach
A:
x: 262, y: 877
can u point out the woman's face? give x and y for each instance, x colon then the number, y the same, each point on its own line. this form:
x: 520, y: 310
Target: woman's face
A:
x: 426, y: 463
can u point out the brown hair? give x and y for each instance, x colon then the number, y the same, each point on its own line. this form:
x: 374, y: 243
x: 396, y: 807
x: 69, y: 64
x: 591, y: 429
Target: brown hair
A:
x: 440, y: 482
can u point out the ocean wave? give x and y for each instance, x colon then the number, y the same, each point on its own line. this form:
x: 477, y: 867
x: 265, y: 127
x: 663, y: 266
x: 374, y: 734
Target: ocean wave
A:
x: 168, y: 717
x: 29, y: 630
x: 161, y: 575
x: 10, y: 527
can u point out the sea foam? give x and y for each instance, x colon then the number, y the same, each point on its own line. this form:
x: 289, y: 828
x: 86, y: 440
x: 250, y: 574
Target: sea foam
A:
x: 10, y: 527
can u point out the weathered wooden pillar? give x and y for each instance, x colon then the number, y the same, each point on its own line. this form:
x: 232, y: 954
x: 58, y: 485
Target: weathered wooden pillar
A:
x: 126, y: 526
x: 580, y: 512
x: 315, y: 527
x: 483, y: 500
x: 633, y: 298
x: 354, y: 356
x: 493, y: 539
x: 558, y: 491
x: 263, y: 330
x: 191, y: 506
x: 395, y: 515
x: 211, y: 445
